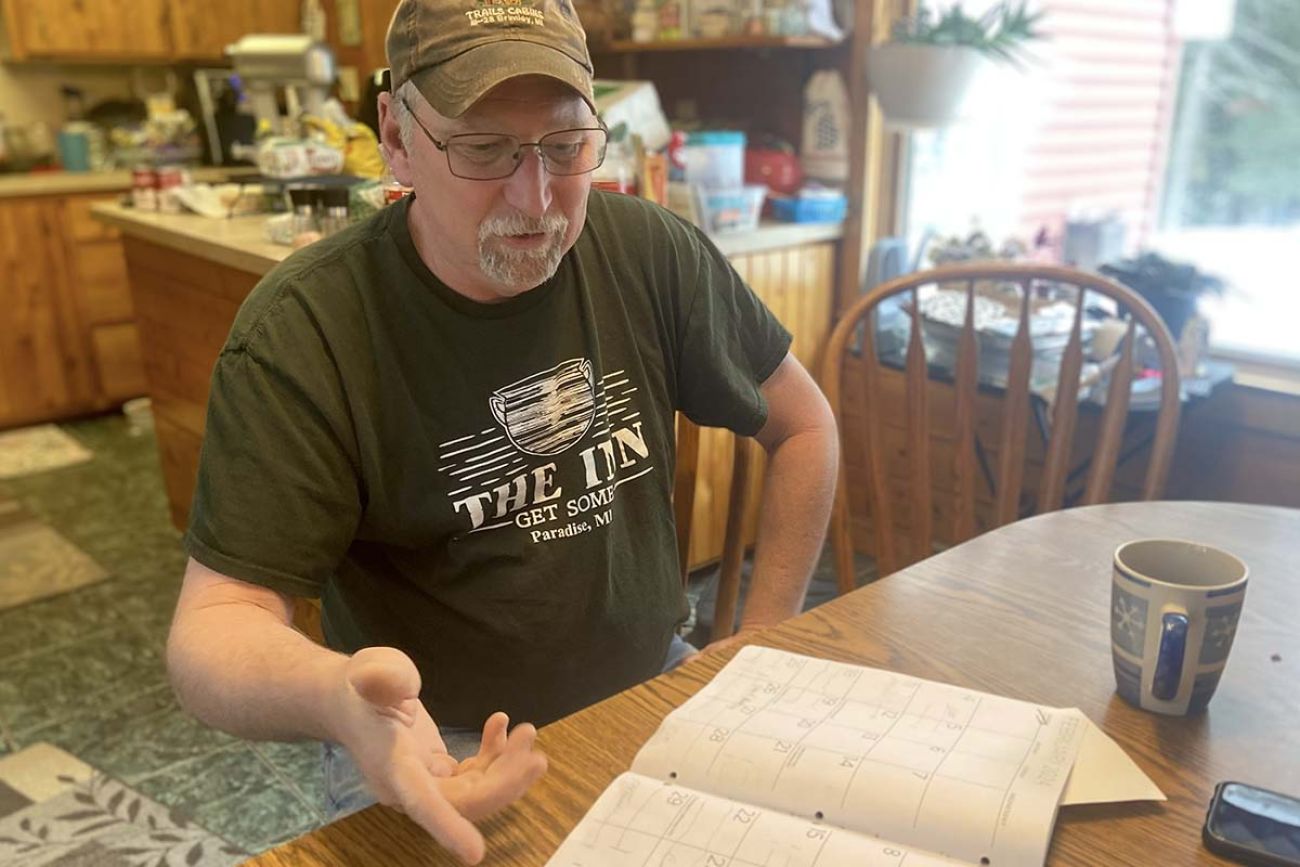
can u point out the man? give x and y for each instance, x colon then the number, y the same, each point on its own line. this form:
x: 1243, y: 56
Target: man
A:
x: 454, y: 424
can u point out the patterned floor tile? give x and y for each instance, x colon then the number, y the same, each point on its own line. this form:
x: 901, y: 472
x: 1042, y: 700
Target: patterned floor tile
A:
x: 135, y: 738
x: 42, y: 688
x: 41, y: 626
x: 233, y: 793
x: 299, y: 765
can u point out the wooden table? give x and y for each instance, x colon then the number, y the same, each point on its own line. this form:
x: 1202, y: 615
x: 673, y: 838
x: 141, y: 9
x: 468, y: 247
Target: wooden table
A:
x: 1021, y: 612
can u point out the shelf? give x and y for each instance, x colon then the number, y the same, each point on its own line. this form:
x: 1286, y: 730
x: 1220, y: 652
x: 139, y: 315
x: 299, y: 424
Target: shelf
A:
x: 771, y: 235
x: 627, y: 46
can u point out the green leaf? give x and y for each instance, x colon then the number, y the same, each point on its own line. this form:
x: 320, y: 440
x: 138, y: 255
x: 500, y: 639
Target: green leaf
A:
x: 165, y: 838
x: 10, y: 840
x: 107, y: 823
x: 133, y: 810
x: 194, y: 855
x: 115, y: 801
x: 83, y: 798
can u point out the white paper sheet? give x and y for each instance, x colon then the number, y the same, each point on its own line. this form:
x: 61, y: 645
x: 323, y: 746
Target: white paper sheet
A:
x: 780, y: 751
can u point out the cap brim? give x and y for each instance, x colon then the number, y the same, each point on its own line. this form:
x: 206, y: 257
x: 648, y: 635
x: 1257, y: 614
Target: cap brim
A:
x: 452, y: 87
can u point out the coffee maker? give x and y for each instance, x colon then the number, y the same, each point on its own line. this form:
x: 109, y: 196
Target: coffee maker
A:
x: 292, y: 67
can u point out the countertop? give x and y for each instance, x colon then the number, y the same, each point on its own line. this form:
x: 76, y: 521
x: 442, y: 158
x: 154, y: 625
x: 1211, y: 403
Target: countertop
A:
x: 66, y: 183
x: 239, y: 242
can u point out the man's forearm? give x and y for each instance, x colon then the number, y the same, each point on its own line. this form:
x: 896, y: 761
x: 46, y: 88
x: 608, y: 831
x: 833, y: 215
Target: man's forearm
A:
x: 797, y: 496
x: 247, y: 673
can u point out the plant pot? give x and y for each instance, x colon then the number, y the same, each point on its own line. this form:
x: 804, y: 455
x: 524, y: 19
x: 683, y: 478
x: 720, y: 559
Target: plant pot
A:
x: 920, y: 86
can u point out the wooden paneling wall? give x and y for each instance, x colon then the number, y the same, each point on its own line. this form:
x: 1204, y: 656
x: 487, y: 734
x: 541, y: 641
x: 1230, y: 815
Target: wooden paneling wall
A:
x: 798, y: 285
x: 1241, y: 446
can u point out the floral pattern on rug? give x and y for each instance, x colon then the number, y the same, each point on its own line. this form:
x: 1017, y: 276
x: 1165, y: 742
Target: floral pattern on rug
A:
x: 100, y: 821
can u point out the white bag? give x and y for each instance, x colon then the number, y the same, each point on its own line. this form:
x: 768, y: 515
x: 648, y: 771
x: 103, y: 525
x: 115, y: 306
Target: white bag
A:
x: 825, y: 151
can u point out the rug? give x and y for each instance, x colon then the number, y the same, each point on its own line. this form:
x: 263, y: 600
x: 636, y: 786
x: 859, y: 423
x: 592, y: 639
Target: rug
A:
x: 56, y: 811
x: 36, y: 562
x: 37, y: 449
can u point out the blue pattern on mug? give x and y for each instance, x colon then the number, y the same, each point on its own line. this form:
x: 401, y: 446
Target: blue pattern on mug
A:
x: 1128, y: 680
x: 1220, y: 628
x: 1128, y: 620
x: 1202, y: 688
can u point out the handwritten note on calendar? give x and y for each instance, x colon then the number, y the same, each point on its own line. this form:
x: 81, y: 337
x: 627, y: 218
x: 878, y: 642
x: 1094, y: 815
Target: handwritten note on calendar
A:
x: 790, y: 761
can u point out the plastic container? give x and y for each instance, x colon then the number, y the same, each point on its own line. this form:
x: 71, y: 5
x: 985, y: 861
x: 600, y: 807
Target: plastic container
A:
x: 715, y: 159
x: 809, y: 209
x: 730, y: 210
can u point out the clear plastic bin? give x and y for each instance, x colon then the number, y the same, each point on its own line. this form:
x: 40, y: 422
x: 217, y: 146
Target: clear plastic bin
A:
x: 715, y: 158
x: 730, y: 210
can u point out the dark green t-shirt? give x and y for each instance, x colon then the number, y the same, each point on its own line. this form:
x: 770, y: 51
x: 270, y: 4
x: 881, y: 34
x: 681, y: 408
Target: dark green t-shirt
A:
x: 485, y: 486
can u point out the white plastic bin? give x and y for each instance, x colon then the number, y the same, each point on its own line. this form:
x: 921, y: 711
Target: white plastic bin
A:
x: 735, y: 209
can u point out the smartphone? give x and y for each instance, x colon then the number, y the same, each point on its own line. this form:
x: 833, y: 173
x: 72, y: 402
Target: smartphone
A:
x: 1253, y: 826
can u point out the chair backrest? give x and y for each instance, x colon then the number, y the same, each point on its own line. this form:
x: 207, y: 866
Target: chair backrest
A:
x: 852, y: 353
x: 733, y: 546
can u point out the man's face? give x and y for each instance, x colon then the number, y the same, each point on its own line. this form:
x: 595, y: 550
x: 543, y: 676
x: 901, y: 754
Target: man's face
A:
x: 495, y: 239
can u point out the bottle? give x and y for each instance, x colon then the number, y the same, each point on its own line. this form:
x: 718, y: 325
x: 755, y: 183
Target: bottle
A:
x: 645, y: 21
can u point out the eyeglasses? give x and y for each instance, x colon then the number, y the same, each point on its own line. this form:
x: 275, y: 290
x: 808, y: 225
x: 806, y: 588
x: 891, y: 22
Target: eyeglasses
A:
x: 492, y: 156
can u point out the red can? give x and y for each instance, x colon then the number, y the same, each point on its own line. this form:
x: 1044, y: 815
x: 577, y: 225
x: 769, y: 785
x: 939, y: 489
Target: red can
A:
x: 169, y: 178
x: 144, y: 188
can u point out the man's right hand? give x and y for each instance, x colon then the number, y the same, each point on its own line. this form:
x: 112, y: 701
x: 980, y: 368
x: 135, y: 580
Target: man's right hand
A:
x: 404, y: 761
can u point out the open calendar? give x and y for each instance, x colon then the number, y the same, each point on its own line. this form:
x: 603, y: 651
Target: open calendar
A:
x: 790, y: 761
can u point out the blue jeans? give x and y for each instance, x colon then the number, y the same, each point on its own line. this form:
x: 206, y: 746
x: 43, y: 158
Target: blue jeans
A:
x: 345, y: 790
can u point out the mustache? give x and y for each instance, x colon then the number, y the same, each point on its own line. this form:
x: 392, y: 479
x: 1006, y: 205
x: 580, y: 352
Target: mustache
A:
x: 554, y: 223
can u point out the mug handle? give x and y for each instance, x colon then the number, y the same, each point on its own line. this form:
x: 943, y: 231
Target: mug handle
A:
x: 1169, y: 655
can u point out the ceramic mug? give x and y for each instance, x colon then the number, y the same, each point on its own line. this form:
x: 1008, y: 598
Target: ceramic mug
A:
x: 1173, y: 614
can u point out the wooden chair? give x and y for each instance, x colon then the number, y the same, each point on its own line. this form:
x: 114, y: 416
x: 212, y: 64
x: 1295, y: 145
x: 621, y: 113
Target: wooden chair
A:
x: 919, y: 391
x: 733, y: 546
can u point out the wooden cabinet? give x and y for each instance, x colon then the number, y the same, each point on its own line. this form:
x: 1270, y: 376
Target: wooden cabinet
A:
x: 201, y: 29
x: 144, y: 30
x: 68, y: 342
x: 42, y: 364
x: 89, y: 29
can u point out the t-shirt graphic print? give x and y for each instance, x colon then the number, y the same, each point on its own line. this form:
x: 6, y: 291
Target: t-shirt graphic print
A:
x: 539, y: 471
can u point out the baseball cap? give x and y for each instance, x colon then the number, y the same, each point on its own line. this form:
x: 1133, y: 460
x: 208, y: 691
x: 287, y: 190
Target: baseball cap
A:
x: 457, y: 50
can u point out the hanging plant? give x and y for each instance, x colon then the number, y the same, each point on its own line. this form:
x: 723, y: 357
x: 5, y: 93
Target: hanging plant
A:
x: 921, y: 76
x: 1000, y: 34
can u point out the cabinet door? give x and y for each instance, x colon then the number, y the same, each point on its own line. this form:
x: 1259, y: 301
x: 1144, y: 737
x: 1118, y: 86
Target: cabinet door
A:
x: 201, y: 29
x: 43, y: 373
x: 129, y: 28
x: 48, y: 27
x: 89, y: 29
x: 275, y: 16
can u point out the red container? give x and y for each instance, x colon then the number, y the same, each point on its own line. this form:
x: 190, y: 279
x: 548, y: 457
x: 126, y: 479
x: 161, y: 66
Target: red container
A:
x: 144, y: 188
x: 776, y: 169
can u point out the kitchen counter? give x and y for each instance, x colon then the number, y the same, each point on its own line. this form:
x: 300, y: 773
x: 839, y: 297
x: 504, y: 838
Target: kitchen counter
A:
x: 240, y: 243
x: 22, y: 185
x: 237, y: 243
